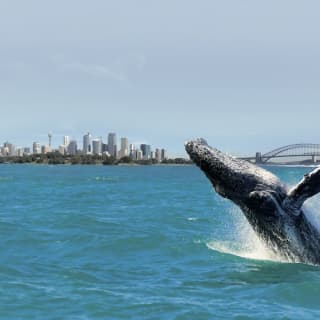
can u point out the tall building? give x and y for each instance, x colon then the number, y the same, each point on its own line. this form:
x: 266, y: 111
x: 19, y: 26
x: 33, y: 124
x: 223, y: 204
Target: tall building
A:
x: 62, y: 149
x: 36, y: 148
x: 87, y: 143
x: 104, y: 147
x: 158, y: 155
x: 11, y: 149
x: 146, y: 151
x: 72, y: 147
x: 132, y: 151
x: 138, y: 155
x: 45, y: 149
x: 164, y: 155
x: 112, y: 144
x: 5, y: 151
x: 20, y: 152
x: 26, y: 151
x: 66, y: 141
x: 124, y: 150
x: 97, y: 146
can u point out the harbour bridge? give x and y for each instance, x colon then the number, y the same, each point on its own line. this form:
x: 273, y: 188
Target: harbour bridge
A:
x: 299, y: 151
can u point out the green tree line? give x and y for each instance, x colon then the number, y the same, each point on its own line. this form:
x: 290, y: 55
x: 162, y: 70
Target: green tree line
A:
x: 56, y: 158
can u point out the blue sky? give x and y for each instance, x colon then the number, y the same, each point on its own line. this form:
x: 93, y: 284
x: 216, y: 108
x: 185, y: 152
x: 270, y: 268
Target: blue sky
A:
x: 242, y: 74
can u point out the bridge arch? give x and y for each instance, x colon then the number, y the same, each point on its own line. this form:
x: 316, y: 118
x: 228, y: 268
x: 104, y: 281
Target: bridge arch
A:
x: 298, y: 149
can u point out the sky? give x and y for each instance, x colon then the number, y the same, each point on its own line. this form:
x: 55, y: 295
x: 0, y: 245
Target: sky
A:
x: 245, y: 75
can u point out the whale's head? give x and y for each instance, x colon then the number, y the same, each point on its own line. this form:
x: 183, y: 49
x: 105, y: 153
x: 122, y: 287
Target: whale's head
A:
x: 232, y: 178
x: 256, y: 191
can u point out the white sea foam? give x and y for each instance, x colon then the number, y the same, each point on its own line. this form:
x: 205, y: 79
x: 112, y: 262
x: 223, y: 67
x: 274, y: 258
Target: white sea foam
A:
x: 244, y: 243
x: 108, y: 179
x: 253, y: 250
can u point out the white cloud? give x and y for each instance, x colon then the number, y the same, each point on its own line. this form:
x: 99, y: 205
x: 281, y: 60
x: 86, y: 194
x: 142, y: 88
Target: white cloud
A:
x: 95, y: 70
x: 121, y: 69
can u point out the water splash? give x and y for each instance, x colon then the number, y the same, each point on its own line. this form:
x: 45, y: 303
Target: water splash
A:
x: 243, y: 241
x: 255, y: 251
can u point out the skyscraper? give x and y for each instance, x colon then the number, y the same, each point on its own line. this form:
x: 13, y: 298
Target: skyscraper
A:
x: 26, y: 151
x: 146, y: 151
x: 124, y: 152
x: 112, y: 144
x: 72, y: 147
x: 66, y: 141
x: 87, y: 143
x: 163, y: 154
x: 138, y: 154
x: 62, y: 149
x: 36, y: 148
x: 11, y: 148
x: 158, y: 155
x: 5, y: 151
x: 20, y: 152
x: 97, y: 146
x: 132, y: 151
x: 45, y: 149
x: 104, y: 147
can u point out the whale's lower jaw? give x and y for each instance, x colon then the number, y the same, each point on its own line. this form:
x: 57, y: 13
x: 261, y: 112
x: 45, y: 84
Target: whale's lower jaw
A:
x: 272, y: 211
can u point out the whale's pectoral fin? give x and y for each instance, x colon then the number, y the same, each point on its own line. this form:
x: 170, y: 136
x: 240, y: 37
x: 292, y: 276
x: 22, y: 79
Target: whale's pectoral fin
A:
x: 306, y: 188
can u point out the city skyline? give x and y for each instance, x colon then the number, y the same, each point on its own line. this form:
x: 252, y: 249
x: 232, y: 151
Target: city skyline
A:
x: 58, y: 140
x: 90, y: 146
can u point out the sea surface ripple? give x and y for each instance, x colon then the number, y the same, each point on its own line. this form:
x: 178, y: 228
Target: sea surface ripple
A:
x: 149, y: 242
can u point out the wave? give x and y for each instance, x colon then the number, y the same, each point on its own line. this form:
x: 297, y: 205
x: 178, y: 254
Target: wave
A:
x: 255, y: 252
x: 242, y: 241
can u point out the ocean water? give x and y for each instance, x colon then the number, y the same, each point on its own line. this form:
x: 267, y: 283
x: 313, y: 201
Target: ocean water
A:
x: 99, y: 242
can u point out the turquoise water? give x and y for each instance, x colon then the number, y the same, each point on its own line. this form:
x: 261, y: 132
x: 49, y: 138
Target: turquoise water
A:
x: 90, y: 242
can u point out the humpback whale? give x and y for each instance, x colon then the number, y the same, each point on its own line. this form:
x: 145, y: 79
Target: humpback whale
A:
x: 272, y: 209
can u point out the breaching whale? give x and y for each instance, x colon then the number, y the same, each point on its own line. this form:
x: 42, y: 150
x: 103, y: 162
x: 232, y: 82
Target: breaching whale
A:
x: 274, y: 212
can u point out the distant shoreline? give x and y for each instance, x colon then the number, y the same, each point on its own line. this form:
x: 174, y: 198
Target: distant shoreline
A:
x: 292, y: 165
x: 100, y: 164
x: 55, y: 158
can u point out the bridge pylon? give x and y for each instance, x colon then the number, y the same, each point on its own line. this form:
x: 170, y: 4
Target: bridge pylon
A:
x: 258, y: 157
